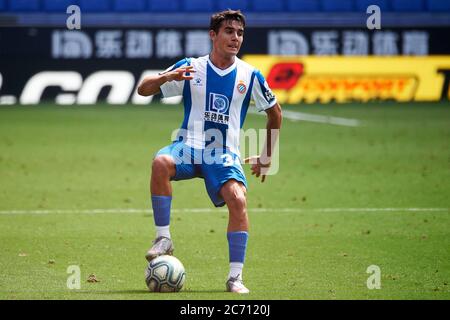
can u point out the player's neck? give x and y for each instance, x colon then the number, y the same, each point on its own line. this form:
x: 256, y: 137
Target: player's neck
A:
x: 221, y: 62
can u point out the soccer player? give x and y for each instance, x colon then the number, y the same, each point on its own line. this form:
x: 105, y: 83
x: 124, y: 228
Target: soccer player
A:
x: 216, y: 91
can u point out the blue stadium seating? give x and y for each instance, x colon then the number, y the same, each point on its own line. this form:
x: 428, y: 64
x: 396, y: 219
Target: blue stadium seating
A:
x: 408, y: 5
x: 95, y: 6
x: 303, y: 5
x: 247, y: 6
x: 438, y: 5
x: 361, y: 5
x: 164, y: 6
x: 267, y: 6
x: 198, y: 5
x: 129, y: 5
x: 338, y: 6
x: 24, y: 5
x: 58, y: 5
x: 232, y: 4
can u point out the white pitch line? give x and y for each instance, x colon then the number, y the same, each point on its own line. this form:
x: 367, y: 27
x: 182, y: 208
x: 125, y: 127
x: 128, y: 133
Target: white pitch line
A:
x: 302, y: 116
x: 212, y: 210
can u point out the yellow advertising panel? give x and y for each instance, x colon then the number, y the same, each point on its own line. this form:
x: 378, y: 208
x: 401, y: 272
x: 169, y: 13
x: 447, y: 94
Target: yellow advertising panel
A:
x: 309, y: 79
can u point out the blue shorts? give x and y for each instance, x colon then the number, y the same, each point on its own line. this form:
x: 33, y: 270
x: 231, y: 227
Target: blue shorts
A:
x: 213, y: 165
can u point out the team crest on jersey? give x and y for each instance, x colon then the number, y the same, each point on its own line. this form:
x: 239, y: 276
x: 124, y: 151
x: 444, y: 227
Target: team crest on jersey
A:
x: 241, y: 87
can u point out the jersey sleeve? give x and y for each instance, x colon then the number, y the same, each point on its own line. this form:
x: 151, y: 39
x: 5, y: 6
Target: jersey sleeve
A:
x: 261, y: 93
x: 174, y: 88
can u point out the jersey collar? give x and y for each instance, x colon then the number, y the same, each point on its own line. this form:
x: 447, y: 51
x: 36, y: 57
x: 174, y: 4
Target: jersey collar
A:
x: 223, y: 72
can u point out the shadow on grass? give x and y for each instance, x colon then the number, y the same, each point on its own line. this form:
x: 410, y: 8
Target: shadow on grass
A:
x: 145, y: 292
x: 111, y: 291
x: 203, y: 291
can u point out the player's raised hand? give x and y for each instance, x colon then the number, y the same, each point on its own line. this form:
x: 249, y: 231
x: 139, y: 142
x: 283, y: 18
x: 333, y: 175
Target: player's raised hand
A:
x: 259, y: 168
x: 151, y: 85
x: 181, y: 74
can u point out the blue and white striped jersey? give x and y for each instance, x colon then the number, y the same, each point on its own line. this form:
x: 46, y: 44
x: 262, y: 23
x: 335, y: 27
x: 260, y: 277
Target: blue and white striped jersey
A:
x: 218, y: 99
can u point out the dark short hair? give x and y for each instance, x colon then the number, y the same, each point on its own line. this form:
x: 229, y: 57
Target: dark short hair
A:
x: 227, y: 15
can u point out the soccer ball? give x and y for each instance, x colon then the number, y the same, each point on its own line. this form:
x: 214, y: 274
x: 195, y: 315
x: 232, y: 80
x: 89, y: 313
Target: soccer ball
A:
x: 165, y: 274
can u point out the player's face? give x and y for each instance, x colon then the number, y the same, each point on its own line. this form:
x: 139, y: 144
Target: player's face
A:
x: 229, y: 38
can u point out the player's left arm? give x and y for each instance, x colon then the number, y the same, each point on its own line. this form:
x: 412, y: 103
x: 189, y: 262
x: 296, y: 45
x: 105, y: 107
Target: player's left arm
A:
x: 261, y: 163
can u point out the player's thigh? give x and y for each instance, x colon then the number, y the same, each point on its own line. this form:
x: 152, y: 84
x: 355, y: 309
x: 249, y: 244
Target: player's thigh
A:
x: 227, y: 170
x: 180, y: 155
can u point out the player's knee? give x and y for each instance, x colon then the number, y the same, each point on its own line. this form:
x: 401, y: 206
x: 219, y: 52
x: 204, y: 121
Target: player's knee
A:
x: 237, y: 200
x: 163, y: 165
x: 240, y: 201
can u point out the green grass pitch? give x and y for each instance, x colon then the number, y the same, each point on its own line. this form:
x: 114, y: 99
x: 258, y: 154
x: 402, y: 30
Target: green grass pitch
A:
x: 312, y: 232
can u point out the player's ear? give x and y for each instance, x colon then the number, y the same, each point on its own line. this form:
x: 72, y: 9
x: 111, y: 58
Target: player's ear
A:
x: 212, y: 34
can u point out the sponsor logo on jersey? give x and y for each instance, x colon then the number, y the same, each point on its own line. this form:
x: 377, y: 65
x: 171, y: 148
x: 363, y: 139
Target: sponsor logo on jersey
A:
x: 216, y: 117
x: 218, y: 103
x: 217, y: 109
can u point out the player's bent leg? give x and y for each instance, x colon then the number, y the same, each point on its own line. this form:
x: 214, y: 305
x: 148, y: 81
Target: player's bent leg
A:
x: 163, y: 169
x: 233, y: 193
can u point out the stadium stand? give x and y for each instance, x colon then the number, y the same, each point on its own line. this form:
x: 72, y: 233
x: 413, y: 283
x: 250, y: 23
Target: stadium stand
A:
x: 58, y: 5
x: 243, y: 5
x: 164, y: 6
x: 198, y: 5
x: 279, y: 6
x: 408, y: 5
x: 361, y: 5
x: 338, y: 6
x: 438, y: 5
x: 267, y: 6
x: 260, y: 13
x: 95, y: 6
x: 130, y: 5
x: 24, y: 5
x: 303, y: 5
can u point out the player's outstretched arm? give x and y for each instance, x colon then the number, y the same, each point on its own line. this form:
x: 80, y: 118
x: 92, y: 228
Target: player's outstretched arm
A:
x: 151, y: 84
x: 261, y: 164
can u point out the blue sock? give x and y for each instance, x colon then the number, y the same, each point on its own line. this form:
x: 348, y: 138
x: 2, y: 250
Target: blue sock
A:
x: 161, y: 210
x: 237, y: 245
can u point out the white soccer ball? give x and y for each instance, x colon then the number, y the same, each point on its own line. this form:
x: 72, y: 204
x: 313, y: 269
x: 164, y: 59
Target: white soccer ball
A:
x: 165, y: 274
